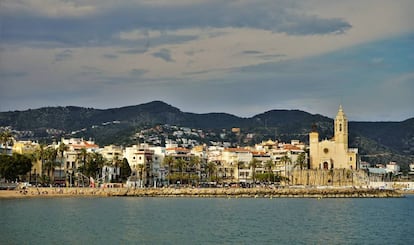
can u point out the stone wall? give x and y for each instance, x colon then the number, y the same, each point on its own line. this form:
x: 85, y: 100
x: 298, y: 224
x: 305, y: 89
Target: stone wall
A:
x: 335, y: 177
x: 264, y: 192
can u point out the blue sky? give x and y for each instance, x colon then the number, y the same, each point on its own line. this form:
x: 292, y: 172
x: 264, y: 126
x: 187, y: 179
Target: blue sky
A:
x: 238, y: 56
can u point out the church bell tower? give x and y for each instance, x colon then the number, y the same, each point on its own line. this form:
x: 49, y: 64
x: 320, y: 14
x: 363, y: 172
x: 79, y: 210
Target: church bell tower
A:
x: 341, y: 128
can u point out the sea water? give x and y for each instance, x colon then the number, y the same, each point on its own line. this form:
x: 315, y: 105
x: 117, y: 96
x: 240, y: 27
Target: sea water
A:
x: 134, y: 220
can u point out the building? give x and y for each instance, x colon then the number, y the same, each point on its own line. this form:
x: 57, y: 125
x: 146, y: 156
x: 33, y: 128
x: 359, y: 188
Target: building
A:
x: 29, y: 147
x: 140, y: 159
x: 232, y: 159
x: 393, y: 168
x: 113, y: 156
x: 334, y: 153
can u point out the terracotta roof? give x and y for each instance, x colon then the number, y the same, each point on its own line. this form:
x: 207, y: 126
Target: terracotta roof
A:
x: 236, y: 150
x: 290, y: 147
x: 84, y: 145
x: 178, y: 149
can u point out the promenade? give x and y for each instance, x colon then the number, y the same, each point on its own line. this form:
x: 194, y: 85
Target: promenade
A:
x: 203, y: 192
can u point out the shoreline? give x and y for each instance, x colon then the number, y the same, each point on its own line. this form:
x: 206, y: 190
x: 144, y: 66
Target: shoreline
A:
x: 203, y: 192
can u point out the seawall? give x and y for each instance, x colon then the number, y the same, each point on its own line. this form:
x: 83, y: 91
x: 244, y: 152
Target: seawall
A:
x: 204, y: 192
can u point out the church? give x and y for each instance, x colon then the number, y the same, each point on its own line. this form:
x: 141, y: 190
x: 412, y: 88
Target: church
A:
x: 333, y: 153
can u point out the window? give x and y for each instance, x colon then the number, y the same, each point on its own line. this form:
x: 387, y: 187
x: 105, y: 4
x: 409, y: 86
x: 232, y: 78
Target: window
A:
x: 340, y: 127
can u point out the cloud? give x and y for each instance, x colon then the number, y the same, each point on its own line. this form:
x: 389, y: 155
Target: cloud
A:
x: 134, y: 51
x: 63, y: 55
x: 163, y: 54
x: 312, y: 25
x: 251, y: 52
x: 110, y: 56
x: 237, y: 56
x: 90, y: 71
x: 137, y: 72
x: 83, y: 23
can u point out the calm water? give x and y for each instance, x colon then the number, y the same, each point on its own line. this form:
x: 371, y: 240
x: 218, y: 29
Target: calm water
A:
x: 132, y: 220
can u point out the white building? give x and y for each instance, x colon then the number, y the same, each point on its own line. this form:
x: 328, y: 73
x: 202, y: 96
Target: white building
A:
x: 393, y: 167
x: 140, y: 159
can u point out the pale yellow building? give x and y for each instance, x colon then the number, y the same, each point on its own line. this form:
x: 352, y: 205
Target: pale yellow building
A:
x: 25, y: 147
x: 334, y: 153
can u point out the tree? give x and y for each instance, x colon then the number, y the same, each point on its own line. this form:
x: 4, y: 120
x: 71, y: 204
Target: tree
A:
x: 15, y: 166
x: 50, y: 156
x: 286, y: 161
x: 301, y: 161
x: 141, y: 173
x: 211, y: 169
x: 82, y: 158
x: 268, y: 166
x: 168, y: 161
x: 6, y: 138
x: 125, y: 170
x: 116, y: 162
x: 194, y: 163
x: 94, y: 164
x: 40, y: 155
x: 61, y: 151
x: 253, y: 164
x: 181, y: 165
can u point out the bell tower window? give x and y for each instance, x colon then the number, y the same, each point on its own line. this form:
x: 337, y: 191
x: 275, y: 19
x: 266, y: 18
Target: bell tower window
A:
x: 340, y: 127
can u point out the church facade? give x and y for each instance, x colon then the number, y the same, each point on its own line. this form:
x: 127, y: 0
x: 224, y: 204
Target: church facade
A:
x: 333, y: 153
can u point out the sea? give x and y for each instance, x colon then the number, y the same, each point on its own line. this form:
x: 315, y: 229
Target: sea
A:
x: 136, y: 220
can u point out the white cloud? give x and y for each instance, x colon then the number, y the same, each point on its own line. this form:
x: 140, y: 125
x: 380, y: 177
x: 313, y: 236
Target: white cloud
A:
x: 103, y: 43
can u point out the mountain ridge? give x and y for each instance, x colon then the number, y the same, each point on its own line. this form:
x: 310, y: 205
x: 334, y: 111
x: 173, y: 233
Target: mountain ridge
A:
x: 396, y: 138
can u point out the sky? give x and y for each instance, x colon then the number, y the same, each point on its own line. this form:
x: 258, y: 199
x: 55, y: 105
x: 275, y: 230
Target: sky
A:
x: 238, y: 56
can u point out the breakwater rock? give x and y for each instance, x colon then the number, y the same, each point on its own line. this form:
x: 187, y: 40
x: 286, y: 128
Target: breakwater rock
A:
x: 206, y: 192
x: 261, y: 192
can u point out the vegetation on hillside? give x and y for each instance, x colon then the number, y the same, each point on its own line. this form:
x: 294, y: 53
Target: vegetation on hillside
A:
x: 377, y: 141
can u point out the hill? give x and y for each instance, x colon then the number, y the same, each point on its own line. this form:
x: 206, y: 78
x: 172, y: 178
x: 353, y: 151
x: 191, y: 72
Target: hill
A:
x: 378, y: 141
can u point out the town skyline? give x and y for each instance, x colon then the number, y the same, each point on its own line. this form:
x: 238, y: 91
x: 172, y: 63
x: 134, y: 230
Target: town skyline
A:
x: 237, y: 57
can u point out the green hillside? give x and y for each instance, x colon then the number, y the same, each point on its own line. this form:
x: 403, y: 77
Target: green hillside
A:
x: 377, y: 141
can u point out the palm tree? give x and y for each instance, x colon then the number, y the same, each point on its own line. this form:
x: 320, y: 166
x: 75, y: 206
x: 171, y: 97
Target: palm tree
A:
x: 82, y: 158
x: 268, y: 166
x: 6, y: 138
x: 193, y: 163
x: 301, y: 161
x: 211, y: 169
x: 50, y: 162
x: 141, y: 173
x: 40, y: 155
x: 168, y: 161
x: 61, y: 151
x: 181, y: 165
x: 253, y: 164
x: 286, y: 161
